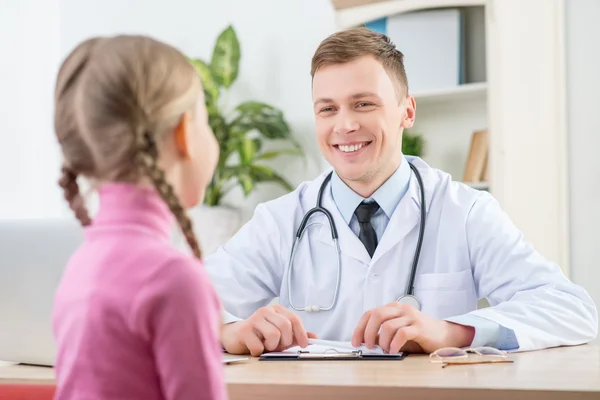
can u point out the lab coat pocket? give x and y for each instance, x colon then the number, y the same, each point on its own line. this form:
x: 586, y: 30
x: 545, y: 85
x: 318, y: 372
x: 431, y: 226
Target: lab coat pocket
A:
x: 446, y: 294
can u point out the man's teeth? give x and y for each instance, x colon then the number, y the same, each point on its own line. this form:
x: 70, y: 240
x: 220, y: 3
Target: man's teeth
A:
x: 350, y: 148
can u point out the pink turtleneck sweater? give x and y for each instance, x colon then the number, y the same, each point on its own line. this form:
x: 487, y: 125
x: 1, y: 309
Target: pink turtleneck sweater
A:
x: 134, y: 318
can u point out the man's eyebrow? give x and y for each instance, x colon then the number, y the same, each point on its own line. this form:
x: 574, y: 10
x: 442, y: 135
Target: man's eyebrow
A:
x: 323, y: 100
x: 354, y: 96
x: 363, y: 94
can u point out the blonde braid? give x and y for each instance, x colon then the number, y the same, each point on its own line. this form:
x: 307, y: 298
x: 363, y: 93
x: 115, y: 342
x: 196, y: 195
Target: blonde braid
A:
x: 147, y: 162
x: 78, y: 157
x: 68, y: 181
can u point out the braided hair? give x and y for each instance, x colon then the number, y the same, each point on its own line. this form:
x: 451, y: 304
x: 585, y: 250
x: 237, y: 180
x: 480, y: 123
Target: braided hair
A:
x: 68, y: 181
x: 115, y: 99
x: 147, y: 162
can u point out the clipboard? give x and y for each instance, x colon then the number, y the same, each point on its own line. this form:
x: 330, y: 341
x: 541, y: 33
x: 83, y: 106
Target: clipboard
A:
x: 335, y: 355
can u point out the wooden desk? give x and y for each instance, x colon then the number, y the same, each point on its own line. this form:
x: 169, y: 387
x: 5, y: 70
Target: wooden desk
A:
x: 562, y: 373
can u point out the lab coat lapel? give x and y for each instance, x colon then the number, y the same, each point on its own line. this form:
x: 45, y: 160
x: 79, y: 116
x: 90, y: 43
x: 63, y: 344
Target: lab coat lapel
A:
x: 350, y: 244
x: 405, y: 218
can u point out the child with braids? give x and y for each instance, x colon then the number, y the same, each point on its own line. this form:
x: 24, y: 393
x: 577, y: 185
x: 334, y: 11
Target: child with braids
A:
x: 134, y: 318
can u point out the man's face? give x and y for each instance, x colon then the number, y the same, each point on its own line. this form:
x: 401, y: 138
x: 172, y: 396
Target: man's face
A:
x: 359, y: 119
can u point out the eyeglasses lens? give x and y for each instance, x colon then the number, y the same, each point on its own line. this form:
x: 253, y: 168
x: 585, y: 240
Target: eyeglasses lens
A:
x: 450, y: 352
x: 489, y: 351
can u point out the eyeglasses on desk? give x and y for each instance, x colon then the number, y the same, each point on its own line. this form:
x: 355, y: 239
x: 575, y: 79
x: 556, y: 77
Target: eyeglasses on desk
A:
x: 469, y: 356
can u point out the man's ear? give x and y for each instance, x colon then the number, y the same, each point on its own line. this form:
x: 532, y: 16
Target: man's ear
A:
x: 182, y: 136
x: 410, y: 111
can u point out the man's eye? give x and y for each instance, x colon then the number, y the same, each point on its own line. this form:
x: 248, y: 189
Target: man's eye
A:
x: 364, y: 104
x: 326, y: 109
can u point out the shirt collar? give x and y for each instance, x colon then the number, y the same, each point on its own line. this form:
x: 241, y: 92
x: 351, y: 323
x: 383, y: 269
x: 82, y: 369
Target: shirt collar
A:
x: 387, y: 196
x: 125, y: 203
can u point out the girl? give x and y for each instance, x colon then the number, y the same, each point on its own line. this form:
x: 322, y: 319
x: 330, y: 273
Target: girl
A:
x: 134, y: 318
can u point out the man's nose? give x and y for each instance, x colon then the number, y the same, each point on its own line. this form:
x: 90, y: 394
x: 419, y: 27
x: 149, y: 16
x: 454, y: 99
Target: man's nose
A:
x: 345, y: 123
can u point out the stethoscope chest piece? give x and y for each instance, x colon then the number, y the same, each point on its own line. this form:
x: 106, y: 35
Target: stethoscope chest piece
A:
x: 410, y: 300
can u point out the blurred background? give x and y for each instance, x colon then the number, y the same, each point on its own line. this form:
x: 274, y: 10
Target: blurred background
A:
x: 507, y: 95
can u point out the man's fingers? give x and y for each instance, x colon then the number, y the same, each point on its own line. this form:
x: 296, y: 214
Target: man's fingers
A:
x: 389, y: 329
x: 310, y: 335
x: 378, y: 317
x: 300, y: 335
x: 359, y: 331
x: 403, y: 335
x: 271, y: 335
x: 284, y: 325
x: 254, y: 344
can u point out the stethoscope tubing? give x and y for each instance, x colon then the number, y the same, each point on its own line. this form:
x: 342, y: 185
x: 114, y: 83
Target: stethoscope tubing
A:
x: 334, y: 236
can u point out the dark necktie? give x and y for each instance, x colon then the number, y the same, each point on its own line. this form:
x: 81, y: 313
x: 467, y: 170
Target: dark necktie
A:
x: 364, y: 212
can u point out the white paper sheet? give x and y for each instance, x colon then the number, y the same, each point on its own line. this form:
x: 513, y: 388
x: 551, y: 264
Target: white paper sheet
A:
x: 319, y: 346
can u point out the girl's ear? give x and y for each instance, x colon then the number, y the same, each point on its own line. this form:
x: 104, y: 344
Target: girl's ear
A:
x: 182, y: 135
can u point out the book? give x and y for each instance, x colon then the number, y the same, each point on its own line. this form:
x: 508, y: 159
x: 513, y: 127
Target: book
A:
x: 477, y: 159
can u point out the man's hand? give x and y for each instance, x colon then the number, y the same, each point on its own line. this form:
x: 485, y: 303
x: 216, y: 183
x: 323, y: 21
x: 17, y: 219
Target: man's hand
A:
x: 399, y: 327
x: 272, y: 328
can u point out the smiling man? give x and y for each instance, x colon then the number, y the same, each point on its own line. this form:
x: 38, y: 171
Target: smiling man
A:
x: 413, y: 250
x: 361, y: 108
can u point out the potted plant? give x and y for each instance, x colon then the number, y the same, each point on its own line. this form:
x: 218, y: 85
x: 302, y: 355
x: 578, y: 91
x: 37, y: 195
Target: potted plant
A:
x: 241, y: 132
x: 413, y: 144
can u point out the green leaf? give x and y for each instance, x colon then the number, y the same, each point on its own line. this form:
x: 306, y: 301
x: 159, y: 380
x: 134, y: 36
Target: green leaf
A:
x: 412, y: 144
x: 262, y: 173
x: 266, y: 119
x: 273, y: 154
x: 223, y: 136
x: 219, y: 127
x: 229, y: 172
x: 247, y: 150
x: 226, y: 58
x: 211, y: 89
x: 246, y: 182
x: 257, y: 144
x: 212, y: 196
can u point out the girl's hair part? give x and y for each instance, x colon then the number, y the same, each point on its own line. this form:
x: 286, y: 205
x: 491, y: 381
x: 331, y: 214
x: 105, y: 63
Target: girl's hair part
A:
x: 116, y: 99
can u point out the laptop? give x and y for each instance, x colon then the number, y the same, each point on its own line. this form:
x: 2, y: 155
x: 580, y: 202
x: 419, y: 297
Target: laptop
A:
x: 33, y: 255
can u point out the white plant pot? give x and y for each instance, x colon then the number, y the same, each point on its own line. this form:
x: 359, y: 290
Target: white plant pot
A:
x: 213, y: 227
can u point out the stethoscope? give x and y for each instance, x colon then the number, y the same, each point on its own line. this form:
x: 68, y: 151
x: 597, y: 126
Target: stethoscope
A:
x: 408, y: 298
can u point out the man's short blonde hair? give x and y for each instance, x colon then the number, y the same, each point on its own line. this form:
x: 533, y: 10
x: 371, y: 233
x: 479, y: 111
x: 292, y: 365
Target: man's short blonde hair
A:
x: 348, y: 45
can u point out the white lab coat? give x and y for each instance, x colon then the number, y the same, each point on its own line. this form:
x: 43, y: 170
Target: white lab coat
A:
x: 471, y: 250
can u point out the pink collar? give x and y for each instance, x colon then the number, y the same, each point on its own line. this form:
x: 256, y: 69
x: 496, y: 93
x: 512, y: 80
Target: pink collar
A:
x: 126, y: 203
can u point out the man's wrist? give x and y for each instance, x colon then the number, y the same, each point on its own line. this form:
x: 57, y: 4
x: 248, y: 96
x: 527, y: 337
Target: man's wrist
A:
x: 459, y: 335
x: 230, y: 338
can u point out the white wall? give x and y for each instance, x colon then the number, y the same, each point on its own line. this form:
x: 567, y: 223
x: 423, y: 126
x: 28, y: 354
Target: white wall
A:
x: 276, y: 42
x: 583, y: 102
x: 29, y: 161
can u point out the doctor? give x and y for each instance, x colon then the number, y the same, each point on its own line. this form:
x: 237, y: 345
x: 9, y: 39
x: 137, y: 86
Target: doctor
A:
x: 416, y: 250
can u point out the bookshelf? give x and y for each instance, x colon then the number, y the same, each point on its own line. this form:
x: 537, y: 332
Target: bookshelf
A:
x: 511, y: 85
x: 480, y: 185
x: 352, y: 13
x: 445, y: 60
x: 467, y: 92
